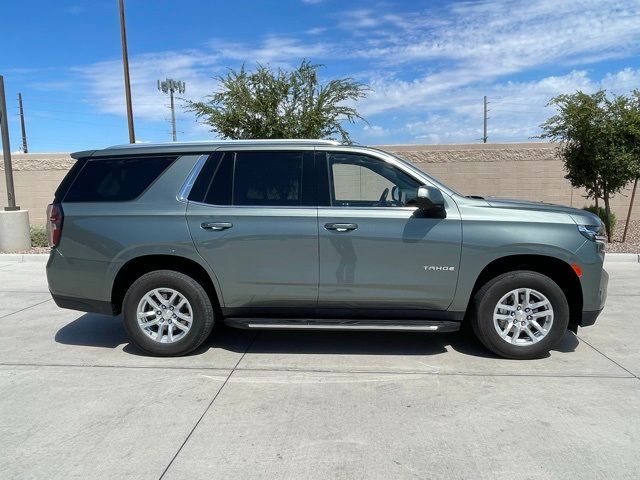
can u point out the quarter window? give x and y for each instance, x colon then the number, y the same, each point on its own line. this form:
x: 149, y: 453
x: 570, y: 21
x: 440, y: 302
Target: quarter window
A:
x: 116, y: 180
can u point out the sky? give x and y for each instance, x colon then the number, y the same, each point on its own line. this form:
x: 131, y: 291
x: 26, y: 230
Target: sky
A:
x: 428, y: 63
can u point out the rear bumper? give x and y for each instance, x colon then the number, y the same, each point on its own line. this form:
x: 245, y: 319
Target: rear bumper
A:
x: 83, y: 304
x: 589, y: 318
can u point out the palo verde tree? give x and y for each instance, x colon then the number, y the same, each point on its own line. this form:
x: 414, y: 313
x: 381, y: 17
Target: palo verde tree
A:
x: 270, y: 103
x: 591, y: 132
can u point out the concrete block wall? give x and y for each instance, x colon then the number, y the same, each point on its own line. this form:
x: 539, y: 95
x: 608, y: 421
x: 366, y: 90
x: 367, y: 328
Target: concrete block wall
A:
x: 529, y: 171
x: 35, y: 177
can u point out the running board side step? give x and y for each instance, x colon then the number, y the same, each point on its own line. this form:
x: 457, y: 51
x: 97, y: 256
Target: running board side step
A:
x: 333, y: 324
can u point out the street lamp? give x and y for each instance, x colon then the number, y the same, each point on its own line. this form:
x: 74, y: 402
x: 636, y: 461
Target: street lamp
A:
x: 171, y: 86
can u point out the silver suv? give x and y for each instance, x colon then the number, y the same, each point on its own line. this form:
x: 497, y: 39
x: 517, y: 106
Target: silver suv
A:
x: 312, y: 234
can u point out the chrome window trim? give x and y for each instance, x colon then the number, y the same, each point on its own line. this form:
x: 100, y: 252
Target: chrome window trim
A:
x: 185, y: 190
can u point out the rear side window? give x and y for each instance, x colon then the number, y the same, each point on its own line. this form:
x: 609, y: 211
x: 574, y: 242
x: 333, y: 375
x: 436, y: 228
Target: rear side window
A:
x: 219, y: 192
x: 271, y: 178
x: 266, y: 178
x: 116, y: 180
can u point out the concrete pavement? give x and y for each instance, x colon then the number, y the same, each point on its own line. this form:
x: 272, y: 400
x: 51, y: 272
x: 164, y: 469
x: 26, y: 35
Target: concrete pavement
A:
x: 77, y: 401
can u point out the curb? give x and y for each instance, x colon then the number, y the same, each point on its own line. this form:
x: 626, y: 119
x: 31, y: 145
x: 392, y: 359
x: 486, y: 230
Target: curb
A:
x: 622, y: 257
x: 23, y: 257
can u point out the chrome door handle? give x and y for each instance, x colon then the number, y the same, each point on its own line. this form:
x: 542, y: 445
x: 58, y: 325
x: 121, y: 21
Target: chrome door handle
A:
x: 341, y: 227
x: 216, y: 225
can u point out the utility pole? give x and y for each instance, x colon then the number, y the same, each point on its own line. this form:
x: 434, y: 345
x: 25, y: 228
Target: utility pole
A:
x: 484, y: 136
x: 127, y: 80
x: 171, y: 86
x: 6, y: 150
x: 25, y: 149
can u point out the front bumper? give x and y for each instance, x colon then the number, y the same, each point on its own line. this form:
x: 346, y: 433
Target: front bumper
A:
x: 589, y: 316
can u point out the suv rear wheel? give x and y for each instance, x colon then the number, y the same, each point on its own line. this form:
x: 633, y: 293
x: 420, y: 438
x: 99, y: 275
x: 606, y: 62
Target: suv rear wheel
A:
x: 520, y: 314
x: 167, y: 313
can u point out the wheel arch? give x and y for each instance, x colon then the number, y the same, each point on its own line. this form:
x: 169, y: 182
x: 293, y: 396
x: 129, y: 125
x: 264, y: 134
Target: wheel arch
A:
x: 558, y: 270
x: 138, y: 266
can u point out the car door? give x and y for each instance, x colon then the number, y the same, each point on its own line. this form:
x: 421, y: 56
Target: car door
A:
x: 253, y: 217
x: 377, y: 251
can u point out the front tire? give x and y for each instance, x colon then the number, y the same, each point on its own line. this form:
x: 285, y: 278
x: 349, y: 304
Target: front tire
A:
x: 520, y: 315
x: 167, y: 313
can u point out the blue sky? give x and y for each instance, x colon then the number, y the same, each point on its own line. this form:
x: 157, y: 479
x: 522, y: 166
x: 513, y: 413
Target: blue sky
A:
x: 429, y: 63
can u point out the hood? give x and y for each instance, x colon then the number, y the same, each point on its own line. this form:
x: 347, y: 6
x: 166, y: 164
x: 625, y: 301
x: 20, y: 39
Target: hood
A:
x: 581, y: 217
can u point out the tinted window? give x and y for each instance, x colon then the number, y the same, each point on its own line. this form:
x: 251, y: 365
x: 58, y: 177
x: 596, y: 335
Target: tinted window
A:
x: 116, y: 180
x: 201, y: 185
x: 358, y: 180
x: 219, y: 192
x: 268, y: 178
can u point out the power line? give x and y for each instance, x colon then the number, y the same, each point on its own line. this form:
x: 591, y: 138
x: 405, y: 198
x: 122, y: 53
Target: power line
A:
x: 484, y: 137
x: 25, y: 149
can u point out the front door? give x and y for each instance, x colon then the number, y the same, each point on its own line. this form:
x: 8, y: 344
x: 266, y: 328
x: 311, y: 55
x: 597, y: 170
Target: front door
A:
x: 377, y: 251
x: 255, y: 223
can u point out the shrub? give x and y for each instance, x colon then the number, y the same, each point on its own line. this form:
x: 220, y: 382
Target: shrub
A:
x: 602, y: 213
x: 39, y: 237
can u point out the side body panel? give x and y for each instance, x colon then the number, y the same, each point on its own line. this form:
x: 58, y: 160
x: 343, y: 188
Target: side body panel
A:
x: 491, y: 233
x: 98, y: 238
x: 385, y: 262
x: 268, y: 258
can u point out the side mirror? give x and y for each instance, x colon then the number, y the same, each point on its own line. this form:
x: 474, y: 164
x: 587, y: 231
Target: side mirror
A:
x: 431, y: 201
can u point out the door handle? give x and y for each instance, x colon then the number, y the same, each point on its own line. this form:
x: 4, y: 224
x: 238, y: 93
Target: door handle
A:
x: 216, y: 225
x: 341, y: 227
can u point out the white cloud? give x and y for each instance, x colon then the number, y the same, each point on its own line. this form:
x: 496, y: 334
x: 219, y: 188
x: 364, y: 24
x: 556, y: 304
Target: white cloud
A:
x: 105, y: 81
x: 516, y: 109
x: 376, y: 131
x: 274, y: 50
x: 430, y: 68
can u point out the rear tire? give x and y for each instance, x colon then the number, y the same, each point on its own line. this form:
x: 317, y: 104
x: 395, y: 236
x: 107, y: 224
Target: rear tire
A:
x: 520, y: 315
x: 167, y: 313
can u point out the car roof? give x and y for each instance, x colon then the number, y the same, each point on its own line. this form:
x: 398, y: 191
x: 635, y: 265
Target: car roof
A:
x: 195, y: 147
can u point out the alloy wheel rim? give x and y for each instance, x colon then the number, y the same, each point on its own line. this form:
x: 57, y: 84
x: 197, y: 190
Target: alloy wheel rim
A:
x: 523, y: 316
x: 164, y: 315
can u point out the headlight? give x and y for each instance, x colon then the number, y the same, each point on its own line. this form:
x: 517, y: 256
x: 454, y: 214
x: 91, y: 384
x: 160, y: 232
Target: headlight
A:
x: 595, y: 233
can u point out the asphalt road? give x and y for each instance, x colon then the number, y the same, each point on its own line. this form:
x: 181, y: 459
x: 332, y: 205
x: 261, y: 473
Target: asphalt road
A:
x: 77, y: 401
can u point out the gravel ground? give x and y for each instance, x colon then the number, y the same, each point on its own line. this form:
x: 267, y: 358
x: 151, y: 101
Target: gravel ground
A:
x: 632, y: 245
x: 31, y: 250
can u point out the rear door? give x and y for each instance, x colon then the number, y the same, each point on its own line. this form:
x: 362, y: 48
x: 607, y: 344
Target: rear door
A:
x: 377, y: 251
x: 253, y: 217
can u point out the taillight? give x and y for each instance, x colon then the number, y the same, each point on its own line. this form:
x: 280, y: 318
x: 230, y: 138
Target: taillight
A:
x: 54, y: 223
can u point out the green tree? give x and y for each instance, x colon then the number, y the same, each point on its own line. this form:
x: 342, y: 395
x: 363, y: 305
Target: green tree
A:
x: 591, y: 131
x: 631, y: 138
x: 280, y: 104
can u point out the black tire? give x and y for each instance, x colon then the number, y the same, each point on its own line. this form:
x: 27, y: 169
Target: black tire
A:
x: 203, y: 313
x: 487, y: 298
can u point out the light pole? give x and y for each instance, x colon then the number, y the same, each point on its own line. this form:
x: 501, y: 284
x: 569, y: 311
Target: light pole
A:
x: 125, y: 66
x: 14, y: 223
x: 171, y: 86
x: 6, y: 150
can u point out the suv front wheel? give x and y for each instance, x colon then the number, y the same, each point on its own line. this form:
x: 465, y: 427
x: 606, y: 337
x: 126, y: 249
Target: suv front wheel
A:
x: 167, y: 313
x: 520, y: 315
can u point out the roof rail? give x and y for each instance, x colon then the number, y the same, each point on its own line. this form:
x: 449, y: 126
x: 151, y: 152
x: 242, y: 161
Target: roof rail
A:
x: 230, y: 142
